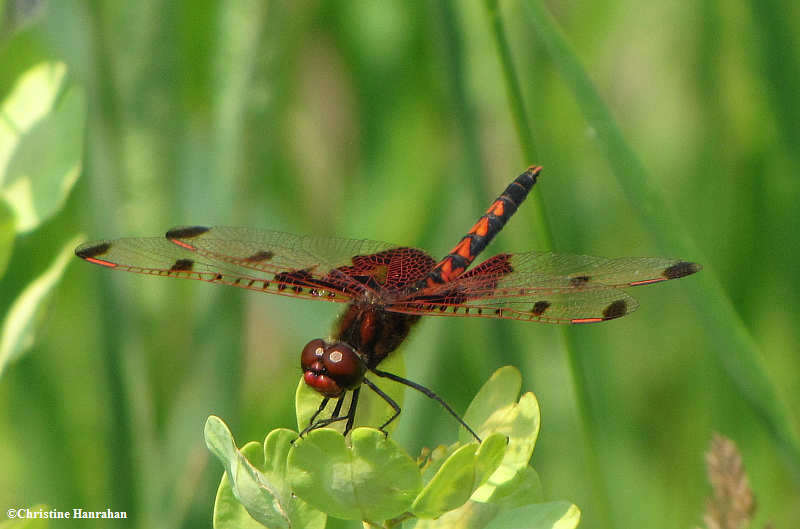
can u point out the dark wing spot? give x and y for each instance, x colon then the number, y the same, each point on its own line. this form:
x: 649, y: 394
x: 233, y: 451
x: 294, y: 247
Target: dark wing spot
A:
x: 578, y: 281
x: 182, y: 265
x: 539, y: 307
x: 263, y: 255
x: 617, y: 309
x: 218, y: 277
x: 185, y: 232
x: 92, y: 251
x: 681, y: 269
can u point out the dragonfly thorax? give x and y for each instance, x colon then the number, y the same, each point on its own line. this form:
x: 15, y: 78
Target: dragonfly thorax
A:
x: 373, y: 331
x: 331, y: 368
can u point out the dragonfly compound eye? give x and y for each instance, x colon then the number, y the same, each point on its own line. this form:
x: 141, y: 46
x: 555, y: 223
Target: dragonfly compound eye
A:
x: 314, y: 372
x: 344, y: 365
x: 331, y: 369
x: 312, y: 354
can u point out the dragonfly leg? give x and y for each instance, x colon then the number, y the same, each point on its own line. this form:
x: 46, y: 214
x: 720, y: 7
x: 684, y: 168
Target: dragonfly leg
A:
x: 316, y: 413
x: 428, y: 393
x: 338, y: 407
x: 335, y: 417
x: 351, y: 413
x: 389, y: 400
x: 325, y: 422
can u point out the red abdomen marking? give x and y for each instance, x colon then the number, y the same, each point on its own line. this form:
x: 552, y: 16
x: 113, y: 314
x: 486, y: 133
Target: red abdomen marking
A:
x: 489, y: 225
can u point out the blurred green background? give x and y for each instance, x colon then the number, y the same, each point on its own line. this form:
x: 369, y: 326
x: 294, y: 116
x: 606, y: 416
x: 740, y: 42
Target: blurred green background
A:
x: 391, y: 121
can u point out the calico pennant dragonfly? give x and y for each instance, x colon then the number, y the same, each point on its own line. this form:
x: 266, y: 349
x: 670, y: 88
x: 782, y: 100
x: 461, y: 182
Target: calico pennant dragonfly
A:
x: 388, y: 287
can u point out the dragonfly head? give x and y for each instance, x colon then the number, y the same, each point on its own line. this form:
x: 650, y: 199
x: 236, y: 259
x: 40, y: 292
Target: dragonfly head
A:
x: 331, y: 368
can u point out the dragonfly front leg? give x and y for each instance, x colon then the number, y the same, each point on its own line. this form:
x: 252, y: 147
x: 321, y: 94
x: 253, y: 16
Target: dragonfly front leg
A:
x: 324, y: 422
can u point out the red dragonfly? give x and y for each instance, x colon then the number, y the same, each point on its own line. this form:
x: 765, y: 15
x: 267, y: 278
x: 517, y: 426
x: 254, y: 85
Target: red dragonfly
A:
x: 388, y: 287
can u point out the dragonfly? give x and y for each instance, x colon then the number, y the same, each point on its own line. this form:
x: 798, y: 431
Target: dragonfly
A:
x: 388, y: 288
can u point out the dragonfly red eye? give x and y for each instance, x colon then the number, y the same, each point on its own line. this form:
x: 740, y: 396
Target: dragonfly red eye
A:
x: 331, y: 369
x: 344, y: 365
x: 312, y: 354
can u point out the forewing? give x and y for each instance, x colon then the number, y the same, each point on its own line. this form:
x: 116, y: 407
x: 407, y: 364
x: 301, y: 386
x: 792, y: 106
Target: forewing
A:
x: 348, y: 264
x: 268, y: 261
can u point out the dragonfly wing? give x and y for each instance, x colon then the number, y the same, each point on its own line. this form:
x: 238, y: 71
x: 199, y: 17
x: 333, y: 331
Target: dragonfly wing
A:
x: 379, y: 266
x: 544, y: 286
x: 584, y: 306
x: 268, y: 261
x: 533, y: 273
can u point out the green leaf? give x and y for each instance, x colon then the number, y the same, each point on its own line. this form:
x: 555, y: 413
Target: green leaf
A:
x: 41, y: 143
x: 229, y: 513
x: 458, y: 475
x: 497, y: 394
x: 476, y: 515
x: 451, y: 486
x: 256, y: 479
x: 495, y: 409
x: 489, y: 456
x: 513, y: 483
x: 527, y: 489
x: 23, y: 318
x: 553, y: 515
x: 7, y: 233
x: 373, y: 479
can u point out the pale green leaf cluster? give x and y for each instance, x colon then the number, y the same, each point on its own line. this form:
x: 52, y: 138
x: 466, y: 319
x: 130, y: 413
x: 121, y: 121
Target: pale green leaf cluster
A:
x: 367, y: 476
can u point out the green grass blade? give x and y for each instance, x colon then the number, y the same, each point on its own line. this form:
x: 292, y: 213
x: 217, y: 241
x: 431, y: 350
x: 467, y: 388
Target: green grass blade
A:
x: 736, y: 350
x: 513, y: 89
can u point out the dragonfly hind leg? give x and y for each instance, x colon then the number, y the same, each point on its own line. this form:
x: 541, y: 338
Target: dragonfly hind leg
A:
x: 422, y: 389
x: 389, y: 401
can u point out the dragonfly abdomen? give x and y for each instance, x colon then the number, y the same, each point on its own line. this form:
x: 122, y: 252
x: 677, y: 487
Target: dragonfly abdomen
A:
x: 482, y: 232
